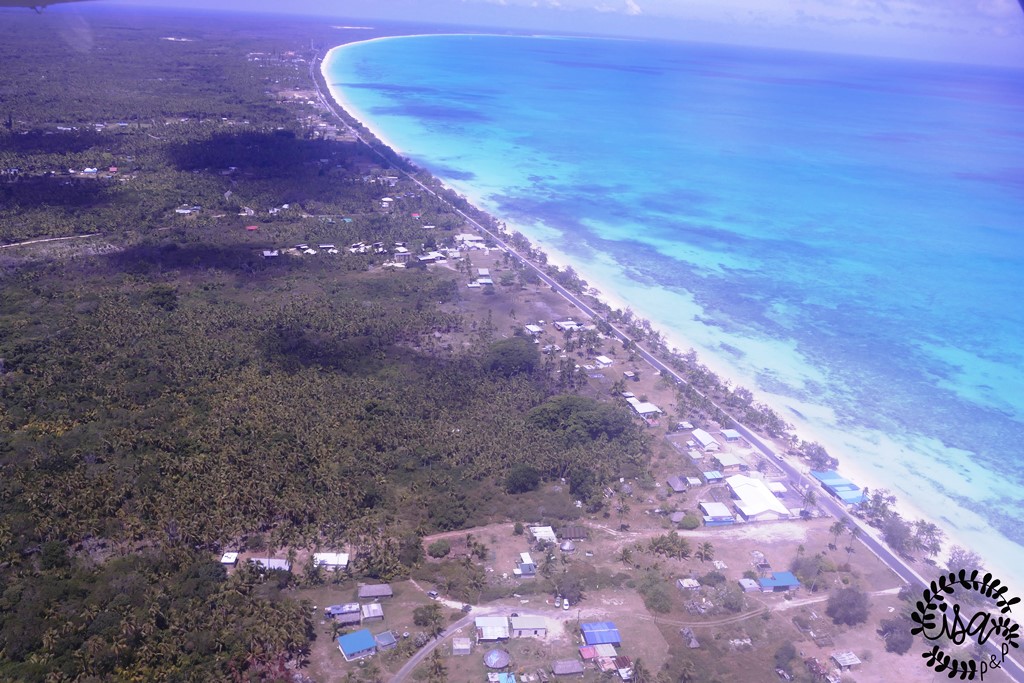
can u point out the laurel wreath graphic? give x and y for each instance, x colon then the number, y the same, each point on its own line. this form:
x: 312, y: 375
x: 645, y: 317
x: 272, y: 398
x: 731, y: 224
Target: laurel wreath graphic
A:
x: 934, y: 598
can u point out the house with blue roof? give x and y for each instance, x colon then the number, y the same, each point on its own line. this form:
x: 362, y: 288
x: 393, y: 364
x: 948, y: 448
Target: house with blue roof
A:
x: 601, y: 633
x: 779, y: 582
x: 840, y: 487
x: 357, y: 645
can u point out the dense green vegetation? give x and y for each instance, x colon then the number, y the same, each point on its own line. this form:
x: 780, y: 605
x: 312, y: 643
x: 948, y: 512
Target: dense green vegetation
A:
x: 166, y: 392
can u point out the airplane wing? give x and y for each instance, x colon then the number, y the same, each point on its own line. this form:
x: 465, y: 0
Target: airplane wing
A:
x: 37, y: 5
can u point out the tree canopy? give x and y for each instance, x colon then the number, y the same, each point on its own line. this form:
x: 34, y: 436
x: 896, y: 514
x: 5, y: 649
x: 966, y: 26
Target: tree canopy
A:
x: 849, y: 606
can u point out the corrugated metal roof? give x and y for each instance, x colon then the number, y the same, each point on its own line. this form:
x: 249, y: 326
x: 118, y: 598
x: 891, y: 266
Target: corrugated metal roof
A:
x: 381, y: 590
x: 354, y: 643
x: 528, y: 623
x: 565, y: 667
x: 600, y: 632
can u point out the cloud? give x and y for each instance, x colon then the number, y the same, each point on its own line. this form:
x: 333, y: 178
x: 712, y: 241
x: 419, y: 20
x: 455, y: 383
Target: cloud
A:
x: 632, y: 8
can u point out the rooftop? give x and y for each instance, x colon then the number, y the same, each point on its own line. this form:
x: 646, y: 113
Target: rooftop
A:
x: 845, y: 659
x: 780, y: 579
x: 755, y: 498
x: 354, y: 643
x: 528, y: 623
x: 600, y: 632
x: 381, y: 590
x: 544, y: 533
x: 712, y: 509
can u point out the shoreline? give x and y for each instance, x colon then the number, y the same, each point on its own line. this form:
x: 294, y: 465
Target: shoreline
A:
x: 674, y: 339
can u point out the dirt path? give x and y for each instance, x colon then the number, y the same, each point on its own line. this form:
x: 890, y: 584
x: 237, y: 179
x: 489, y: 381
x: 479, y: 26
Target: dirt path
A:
x: 49, y: 239
x: 789, y: 604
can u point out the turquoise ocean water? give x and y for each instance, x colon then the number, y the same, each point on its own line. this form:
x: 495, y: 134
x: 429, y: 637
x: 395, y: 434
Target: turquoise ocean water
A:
x: 843, y: 235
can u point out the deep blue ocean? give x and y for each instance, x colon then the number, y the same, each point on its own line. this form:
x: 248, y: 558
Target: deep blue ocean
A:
x: 843, y: 235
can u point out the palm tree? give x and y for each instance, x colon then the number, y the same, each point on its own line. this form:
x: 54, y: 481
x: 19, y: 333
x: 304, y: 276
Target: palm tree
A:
x: 688, y: 672
x: 626, y: 556
x: 837, y: 529
x: 640, y: 672
x: 705, y: 552
x: 854, y: 532
x: 436, y: 670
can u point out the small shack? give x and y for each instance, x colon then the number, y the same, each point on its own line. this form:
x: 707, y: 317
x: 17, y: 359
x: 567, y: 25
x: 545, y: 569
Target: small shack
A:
x: 688, y: 584
x: 845, y: 660
x: 566, y: 667
x: 525, y: 566
x: 462, y: 646
x: 677, y: 484
x: 385, y: 641
x: 689, y: 638
x: 372, y: 611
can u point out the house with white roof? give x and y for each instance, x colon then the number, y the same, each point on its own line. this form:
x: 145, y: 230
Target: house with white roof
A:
x: 716, y: 514
x: 754, y: 500
x: 543, y: 533
x: 331, y: 561
x: 729, y: 463
x: 705, y: 440
x: 603, y: 362
x: 491, y: 628
x: 643, y: 408
x: 730, y: 435
x: 528, y: 627
x: 470, y: 241
x: 270, y: 563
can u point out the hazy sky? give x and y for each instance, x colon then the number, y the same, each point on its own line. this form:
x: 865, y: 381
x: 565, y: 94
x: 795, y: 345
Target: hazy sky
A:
x: 950, y: 30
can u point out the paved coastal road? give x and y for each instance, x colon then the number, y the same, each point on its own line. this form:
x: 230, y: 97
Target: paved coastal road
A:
x: 867, y: 535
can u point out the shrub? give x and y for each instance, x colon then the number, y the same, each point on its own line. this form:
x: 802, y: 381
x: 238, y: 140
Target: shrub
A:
x: 713, y: 578
x: 439, y: 548
x: 690, y: 522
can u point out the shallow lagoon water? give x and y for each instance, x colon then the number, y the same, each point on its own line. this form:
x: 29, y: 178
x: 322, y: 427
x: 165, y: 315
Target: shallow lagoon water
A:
x: 843, y: 235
